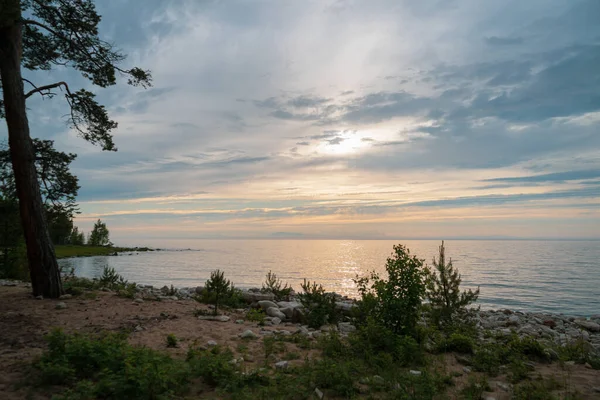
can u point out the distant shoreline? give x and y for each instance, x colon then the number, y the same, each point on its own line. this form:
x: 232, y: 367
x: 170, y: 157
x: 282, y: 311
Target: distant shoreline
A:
x: 74, y: 251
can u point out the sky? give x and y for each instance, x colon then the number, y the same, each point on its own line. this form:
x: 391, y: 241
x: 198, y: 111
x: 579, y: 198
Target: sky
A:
x: 377, y: 119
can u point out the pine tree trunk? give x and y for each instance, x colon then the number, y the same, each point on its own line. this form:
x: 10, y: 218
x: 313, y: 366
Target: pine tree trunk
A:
x: 43, y: 268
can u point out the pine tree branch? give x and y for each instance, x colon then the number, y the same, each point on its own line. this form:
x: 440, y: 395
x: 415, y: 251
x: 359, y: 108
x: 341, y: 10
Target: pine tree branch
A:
x: 48, y: 87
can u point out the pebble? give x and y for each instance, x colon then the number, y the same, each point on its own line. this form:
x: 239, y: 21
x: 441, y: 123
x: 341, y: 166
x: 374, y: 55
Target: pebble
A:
x: 282, y: 365
x: 60, y: 306
x: 138, y: 300
x: 40, y: 297
x: 416, y: 373
x: 239, y: 321
x: 248, y: 334
x: 467, y: 370
x: 318, y: 393
x: 211, y: 343
x: 503, y: 386
x: 65, y: 296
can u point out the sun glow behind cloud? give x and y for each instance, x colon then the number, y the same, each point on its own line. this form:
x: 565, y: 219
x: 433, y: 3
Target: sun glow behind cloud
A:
x: 347, y: 119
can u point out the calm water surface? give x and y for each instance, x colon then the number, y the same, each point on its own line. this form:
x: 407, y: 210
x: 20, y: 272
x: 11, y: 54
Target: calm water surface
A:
x: 555, y: 276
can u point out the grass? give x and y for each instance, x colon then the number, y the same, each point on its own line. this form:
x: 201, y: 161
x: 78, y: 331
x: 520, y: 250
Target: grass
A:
x: 68, y: 251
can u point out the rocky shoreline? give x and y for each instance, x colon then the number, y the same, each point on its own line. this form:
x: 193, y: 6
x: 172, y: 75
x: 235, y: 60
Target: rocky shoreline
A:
x: 547, y: 327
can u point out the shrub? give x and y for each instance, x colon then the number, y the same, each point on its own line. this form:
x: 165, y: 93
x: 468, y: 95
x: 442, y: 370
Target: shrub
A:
x: 213, y: 366
x: 256, y: 315
x: 490, y: 356
x: 457, y: 342
x: 475, y: 388
x: 220, y: 291
x: 105, y: 366
x: 274, y: 285
x: 319, y: 306
x: 171, y: 340
x: 443, y: 291
x: 396, y: 301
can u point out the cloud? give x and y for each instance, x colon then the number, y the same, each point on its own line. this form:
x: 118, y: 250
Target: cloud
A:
x: 552, y: 177
x: 503, y: 41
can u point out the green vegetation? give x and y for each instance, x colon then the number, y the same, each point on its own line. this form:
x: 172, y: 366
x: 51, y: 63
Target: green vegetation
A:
x: 68, y: 251
x: 396, y: 302
x: 99, y: 236
x: 446, y: 301
x: 219, y: 291
x: 108, y: 280
x: 172, y: 340
x: 274, y: 285
x: 319, y: 306
x: 256, y: 315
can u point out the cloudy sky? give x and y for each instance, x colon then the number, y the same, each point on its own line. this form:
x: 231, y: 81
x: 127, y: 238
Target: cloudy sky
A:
x: 345, y: 119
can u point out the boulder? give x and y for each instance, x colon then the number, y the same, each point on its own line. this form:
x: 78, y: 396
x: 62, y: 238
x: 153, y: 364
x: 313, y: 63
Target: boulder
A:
x: 288, y: 311
x: 275, y: 313
x: 251, y: 297
x: 346, y: 327
x: 266, y: 304
x: 288, y: 304
x: 589, y: 325
x: 298, y: 315
x: 275, y: 321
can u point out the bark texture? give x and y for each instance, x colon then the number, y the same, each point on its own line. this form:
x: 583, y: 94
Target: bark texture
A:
x: 43, y: 267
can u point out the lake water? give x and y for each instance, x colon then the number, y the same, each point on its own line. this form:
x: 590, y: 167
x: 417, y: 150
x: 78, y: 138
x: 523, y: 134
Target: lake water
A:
x: 553, y: 276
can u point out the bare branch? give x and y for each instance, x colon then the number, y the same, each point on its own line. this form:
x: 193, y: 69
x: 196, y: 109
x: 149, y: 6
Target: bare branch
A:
x: 28, y: 81
x: 48, y: 87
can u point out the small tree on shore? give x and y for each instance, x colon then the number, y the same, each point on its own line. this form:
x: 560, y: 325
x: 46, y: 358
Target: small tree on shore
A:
x: 395, y: 302
x: 443, y: 291
x: 217, y: 287
x: 99, y: 235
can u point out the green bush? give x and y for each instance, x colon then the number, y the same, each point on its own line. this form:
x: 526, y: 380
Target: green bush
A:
x: 528, y: 347
x: 396, y: 302
x: 490, y: 356
x: 372, y: 341
x: 213, y: 365
x: 458, y: 343
x: 475, y: 388
x: 319, y: 306
x: 274, y: 285
x: 105, y: 366
x: 446, y: 301
x: 171, y: 340
x: 219, y: 291
x: 256, y: 315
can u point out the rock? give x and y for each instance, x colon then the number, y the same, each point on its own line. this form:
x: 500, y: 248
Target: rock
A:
x: 551, y: 353
x: 504, y: 386
x: 65, y: 296
x: 199, y: 289
x: 138, y: 300
x: 276, y: 321
x: 589, y: 325
x: 328, y: 328
x: 40, y: 297
x: 319, y: 394
x: 282, y: 365
x: 315, y: 334
x: 345, y: 307
x: 413, y: 372
x: 249, y: 358
x: 490, y: 398
x: 211, y: 343
x: 139, y: 328
x: 275, y: 313
x: 467, y: 370
x: 60, y: 306
x: 288, y: 304
x: 513, y: 320
x: 219, y: 318
x: 346, y: 327
x: 266, y: 304
x: 463, y: 360
x: 266, y: 333
x: 248, y: 334
x: 549, y: 323
x: 289, y: 312
x: 377, y: 380
x: 239, y: 321
x: 596, y: 389
x: 298, y: 315
x: 251, y: 297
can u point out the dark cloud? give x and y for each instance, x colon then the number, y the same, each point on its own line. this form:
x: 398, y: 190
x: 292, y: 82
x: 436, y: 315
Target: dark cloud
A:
x: 303, y: 144
x: 307, y: 101
x: 336, y: 140
x: 552, y: 177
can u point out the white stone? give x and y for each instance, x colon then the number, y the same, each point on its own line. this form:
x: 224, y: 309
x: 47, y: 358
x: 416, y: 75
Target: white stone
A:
x: 248, y: 334
x: 413, y: 372
x: 282, y: 364
x: 60, y: 306
x: 274, y: 312
x: 211, y: 343
x: 275, y: 321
